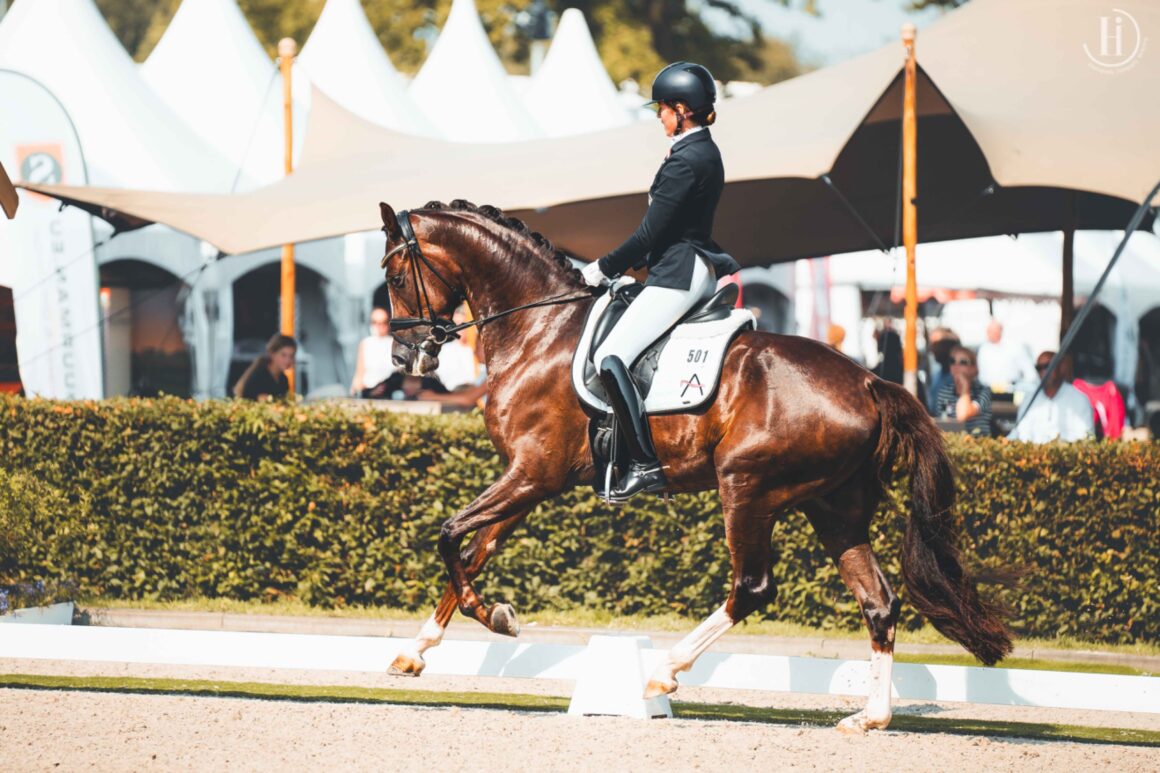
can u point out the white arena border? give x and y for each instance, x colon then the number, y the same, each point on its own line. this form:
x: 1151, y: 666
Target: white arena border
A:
x: 1012, y: 687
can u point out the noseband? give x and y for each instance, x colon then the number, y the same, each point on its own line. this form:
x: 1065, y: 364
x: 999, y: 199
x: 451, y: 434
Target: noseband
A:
x: 442, y: 329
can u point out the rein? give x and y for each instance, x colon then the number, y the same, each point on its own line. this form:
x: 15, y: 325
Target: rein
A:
x: 443, y: 330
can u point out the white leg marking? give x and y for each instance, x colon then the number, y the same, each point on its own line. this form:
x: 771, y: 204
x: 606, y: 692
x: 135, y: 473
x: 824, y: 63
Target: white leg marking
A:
x: 877, y: 714
x: 429, y: 636
x: 410, y: 658
x: 682, y: 656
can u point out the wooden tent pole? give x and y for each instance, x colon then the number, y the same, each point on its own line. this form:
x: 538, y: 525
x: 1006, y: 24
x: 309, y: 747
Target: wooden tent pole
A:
x: 1067, y: 294
x: 909, y: 213
x: 287, y: 50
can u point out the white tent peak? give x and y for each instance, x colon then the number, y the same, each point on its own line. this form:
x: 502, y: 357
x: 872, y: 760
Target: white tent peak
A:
x: 572, y: 92
x: 345, y: 60
x: 130, y: 137
x: 220, y: 95
x: 463, y: 87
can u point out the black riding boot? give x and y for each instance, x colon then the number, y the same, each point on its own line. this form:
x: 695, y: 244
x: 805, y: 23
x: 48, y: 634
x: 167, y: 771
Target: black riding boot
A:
x: 644, y: 472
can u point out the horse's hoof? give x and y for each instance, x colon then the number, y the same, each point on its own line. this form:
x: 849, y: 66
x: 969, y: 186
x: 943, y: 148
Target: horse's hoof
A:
x: 405, y: 665
x: 861, y: 723
x: 503, y: 620
x: 657, y: 687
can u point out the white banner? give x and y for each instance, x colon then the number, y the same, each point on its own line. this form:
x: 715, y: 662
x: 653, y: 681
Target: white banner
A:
x: 46, y: 253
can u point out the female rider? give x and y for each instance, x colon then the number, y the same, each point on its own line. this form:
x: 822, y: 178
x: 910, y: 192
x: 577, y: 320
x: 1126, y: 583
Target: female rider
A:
x: 674, y: 240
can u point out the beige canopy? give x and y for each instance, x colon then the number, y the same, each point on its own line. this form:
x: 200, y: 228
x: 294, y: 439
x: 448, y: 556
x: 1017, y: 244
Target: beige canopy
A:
x: 9, y: 201
x: 1029, y: 121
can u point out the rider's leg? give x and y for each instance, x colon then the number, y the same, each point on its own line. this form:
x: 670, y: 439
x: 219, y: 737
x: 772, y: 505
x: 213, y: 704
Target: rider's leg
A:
x: 645, y: 471
x: 654, y: 311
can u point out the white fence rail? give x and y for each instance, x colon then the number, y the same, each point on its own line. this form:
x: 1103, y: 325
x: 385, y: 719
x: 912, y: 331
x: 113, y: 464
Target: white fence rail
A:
x: 598, y: 668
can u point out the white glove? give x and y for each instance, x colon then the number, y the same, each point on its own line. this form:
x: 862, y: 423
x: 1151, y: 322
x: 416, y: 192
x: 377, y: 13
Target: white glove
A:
x: 593, y: 275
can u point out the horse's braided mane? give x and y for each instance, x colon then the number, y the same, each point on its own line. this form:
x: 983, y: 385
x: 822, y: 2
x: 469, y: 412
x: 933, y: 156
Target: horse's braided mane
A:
x: 496, y: 215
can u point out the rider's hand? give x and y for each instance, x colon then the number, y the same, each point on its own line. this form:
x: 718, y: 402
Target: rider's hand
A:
x: 593, y: 275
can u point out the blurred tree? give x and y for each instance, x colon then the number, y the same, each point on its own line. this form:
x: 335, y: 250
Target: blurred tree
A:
x: 130, y: 20
x: 635, y: 37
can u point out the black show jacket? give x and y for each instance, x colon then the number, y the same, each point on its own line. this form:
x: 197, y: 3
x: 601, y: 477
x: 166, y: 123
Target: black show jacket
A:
x: 679, y: 222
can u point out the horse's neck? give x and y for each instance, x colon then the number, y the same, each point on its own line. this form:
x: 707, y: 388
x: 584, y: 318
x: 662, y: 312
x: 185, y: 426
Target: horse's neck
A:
x: 496, y: 283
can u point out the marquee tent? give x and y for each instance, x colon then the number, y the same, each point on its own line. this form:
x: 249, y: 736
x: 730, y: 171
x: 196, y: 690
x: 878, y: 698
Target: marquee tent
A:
x: 232, y: 98
x: 464, y: 89
x: 1015, y: 123
x: 572, y: 93
x: 130, y: 137
x: 344, y: 60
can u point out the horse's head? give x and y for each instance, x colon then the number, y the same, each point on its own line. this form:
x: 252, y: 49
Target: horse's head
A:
x: 424, y: 287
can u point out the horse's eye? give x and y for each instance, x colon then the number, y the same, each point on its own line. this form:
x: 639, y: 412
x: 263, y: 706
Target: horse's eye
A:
x: 397, y: 280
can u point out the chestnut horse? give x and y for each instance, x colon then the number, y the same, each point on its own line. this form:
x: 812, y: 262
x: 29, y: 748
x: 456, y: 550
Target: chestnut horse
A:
x: 794, y: 424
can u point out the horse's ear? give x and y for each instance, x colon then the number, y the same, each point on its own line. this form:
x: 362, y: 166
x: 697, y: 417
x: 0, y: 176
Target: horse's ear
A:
x: 390, y: 222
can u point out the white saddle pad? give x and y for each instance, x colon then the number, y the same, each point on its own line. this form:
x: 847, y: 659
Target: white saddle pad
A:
x: 689, y: 367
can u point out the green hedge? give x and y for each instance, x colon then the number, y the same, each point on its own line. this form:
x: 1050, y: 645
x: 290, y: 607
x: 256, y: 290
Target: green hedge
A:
x: 338, y: 507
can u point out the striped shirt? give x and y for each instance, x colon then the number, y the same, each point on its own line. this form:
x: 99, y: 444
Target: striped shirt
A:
x: 948, y: 396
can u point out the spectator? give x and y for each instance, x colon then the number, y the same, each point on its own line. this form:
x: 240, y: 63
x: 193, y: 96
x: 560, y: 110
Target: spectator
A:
x: 940, y: 343
x: 889, y: 367
x: 1061, y: 412
x: 457, y: 362
x: 1003, y: 363
x: 265, y: 379
x: 964, y: 398
x: 835, y: 337
x: 373, y: 363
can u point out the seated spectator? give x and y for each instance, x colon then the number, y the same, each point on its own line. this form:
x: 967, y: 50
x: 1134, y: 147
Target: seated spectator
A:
x: 401, y: 386
x: 889, y: 367
x: 1003, y: 362
x: 373, y: 364
x: 266, y: 379
x: 1109, y: 412
x: 964, y: 398
x: 1060, y: 412
x: 458, y: 365
x: 940, y: 342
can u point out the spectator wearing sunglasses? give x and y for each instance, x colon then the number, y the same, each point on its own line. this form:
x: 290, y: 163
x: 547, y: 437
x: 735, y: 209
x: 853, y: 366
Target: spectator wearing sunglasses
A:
x: 964, y: 398
x: 1060, y: 412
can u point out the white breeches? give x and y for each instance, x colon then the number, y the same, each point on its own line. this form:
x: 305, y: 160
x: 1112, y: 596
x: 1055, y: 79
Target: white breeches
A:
x: 653, y: 312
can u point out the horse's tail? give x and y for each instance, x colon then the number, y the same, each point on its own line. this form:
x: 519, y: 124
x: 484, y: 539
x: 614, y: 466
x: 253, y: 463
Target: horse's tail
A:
x: 939, y: 587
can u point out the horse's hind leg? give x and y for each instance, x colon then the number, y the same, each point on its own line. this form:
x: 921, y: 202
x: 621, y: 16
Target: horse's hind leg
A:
x: 482, y: 547
x: 750, y: 509
x: 842, y: 522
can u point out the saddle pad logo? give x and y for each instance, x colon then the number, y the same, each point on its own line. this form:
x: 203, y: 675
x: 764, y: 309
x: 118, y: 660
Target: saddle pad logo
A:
x: 692, y: 383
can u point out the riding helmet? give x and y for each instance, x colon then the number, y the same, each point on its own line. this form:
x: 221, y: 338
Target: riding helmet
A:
x: 685, y: 82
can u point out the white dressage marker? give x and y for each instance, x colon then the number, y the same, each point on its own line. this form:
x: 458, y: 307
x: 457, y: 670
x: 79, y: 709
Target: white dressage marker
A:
x: 1013, y: 687
x: 612, y: 680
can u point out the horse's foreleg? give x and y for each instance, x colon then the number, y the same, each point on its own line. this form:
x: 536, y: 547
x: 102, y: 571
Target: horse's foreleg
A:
x: 482, y: 547
x: 512, y: 496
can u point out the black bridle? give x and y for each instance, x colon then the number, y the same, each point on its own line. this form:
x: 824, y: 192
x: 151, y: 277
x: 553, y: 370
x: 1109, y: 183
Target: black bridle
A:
x: 442, y: 329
